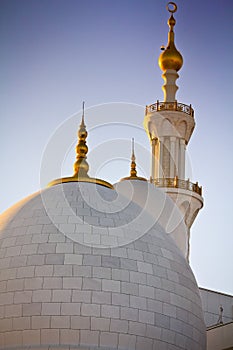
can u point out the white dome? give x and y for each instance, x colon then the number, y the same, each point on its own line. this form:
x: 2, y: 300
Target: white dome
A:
x: 159, y: 206
x: 83, y: 266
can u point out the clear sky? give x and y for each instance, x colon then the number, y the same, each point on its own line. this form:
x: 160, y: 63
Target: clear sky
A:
x: 57, y: 53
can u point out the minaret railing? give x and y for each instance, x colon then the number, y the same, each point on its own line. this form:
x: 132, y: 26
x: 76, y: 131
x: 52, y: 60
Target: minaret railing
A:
x: 177, y: 183
x: 170, y: 106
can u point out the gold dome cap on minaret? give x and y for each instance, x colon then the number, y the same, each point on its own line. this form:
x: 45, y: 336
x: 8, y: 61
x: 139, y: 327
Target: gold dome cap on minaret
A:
x: 171, y: 58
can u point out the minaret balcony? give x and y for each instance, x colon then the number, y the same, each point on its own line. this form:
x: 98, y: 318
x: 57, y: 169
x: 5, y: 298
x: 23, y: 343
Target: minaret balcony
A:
x: 170, y: 106
x: 177, y: 183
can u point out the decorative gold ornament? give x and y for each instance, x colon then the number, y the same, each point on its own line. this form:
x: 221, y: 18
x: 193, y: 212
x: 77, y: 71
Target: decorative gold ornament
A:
x: 133, y: 171
x: 175, y: 182
x: 170, y: 58
x: 80, y: 179
x: 170, y: 106
x: 81, y: 166
x: 173, y: 9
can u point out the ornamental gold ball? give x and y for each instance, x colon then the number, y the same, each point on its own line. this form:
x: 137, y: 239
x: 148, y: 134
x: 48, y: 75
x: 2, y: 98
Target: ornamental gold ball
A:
x: 170, y: 58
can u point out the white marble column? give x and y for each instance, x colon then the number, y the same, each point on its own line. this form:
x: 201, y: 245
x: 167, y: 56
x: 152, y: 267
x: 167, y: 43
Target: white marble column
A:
x: 160, y: 162
x: 177, y: 146
x: 153, y: 160
x: 182, y: 159
x: 172, y: 156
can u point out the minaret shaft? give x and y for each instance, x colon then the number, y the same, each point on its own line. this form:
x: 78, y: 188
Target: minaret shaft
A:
x: 168, y: 157
x: 170, y: 87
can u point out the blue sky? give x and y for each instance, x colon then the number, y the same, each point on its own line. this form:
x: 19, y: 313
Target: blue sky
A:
x: 57, y: 53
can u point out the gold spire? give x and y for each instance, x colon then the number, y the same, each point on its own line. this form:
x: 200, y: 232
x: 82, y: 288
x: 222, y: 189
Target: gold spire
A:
x: 133, y: 171
x: 81, y: 166
x: 170, y: 58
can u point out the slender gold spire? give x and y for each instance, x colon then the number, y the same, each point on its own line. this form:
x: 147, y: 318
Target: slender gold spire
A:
x: 81, y: 166
x: 133, y: 171
x: 171, y: 58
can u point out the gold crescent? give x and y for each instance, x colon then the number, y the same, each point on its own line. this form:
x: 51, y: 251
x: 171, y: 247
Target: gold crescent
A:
x: 174, y: 7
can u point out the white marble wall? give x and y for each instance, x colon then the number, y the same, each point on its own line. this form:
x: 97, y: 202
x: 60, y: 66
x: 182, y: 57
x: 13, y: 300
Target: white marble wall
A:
x: 211, y: 302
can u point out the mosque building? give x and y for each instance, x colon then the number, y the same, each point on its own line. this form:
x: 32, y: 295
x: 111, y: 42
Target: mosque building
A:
x: 85, y: 264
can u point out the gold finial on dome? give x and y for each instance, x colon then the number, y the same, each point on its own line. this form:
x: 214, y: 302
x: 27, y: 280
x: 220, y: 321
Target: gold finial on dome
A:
x: 133, y: 171
x: 81, y: 166
x: 171, y: 58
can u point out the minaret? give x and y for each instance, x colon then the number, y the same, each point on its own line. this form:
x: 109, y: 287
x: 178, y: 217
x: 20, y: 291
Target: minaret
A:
x: 169, y: 125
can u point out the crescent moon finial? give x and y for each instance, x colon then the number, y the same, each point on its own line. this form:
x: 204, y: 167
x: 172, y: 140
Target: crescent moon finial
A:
x: 171, y: 7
